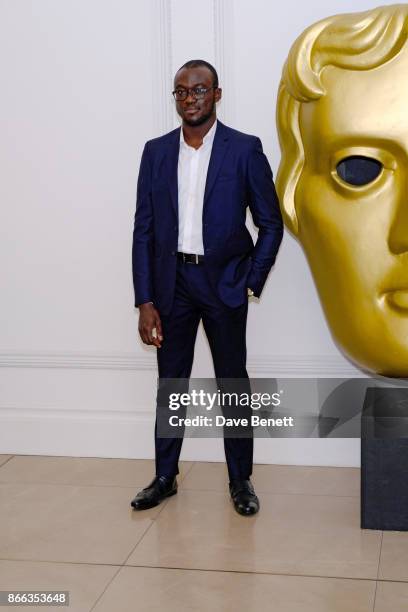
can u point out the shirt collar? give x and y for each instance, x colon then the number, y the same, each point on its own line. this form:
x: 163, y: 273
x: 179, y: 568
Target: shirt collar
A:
x: 208, y: 138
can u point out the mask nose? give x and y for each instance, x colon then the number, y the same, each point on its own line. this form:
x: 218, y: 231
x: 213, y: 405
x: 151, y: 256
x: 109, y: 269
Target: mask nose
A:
x: 398, y: 234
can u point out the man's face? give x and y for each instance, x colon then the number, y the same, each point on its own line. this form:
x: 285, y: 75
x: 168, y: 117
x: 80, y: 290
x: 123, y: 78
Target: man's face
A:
x: 196, y: 111
x: 356, y: 235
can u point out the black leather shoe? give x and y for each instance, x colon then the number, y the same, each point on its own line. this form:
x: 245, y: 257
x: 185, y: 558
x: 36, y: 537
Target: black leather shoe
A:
x: 160, y: 488
x: 243, y: 496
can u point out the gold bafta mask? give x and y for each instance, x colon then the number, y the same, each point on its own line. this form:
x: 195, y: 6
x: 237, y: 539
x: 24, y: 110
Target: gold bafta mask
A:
x: 343, y: 180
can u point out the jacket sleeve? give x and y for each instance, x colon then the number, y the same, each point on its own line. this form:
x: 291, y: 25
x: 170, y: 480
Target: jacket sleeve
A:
x: 142, y: 248
x: 264, y: 206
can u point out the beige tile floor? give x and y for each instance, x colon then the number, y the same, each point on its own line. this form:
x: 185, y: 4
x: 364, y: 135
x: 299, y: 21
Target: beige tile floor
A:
x: 66, y: 523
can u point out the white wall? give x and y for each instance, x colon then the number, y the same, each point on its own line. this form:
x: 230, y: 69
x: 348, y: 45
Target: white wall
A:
x: 84, y: 84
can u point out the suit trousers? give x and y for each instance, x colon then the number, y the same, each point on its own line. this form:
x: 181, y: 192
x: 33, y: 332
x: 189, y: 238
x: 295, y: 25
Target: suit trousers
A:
x: 225, y: 328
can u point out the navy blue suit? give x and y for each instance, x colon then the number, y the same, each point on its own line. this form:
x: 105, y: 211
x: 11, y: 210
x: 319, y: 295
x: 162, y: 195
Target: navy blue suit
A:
x: 238, y: 176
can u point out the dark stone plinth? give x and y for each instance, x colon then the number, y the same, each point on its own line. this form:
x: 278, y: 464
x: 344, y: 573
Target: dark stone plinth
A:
x: 384, y: 459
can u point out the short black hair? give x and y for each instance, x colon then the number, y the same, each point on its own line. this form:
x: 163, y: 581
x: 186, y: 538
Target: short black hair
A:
x: 197, y: 63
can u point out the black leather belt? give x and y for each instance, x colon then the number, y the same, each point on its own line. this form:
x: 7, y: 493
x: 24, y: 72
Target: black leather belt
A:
x: 190, y: 258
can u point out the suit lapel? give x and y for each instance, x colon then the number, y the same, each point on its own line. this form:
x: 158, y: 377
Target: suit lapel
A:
x: 172, y: 156
x: 219, y: 148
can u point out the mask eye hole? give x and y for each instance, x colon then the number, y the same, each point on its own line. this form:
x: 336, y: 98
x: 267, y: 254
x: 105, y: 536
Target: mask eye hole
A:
x: 358, y: 170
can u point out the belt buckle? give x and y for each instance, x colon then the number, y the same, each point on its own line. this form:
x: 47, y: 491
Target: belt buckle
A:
x: 196, y: 259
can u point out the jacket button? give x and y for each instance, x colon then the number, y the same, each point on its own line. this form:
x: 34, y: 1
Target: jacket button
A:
x: 173, y: 252
x: 175, y: 227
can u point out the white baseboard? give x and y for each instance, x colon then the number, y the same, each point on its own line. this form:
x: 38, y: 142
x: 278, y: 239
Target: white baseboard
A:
x: 132, y: 438
x: 93, y: 418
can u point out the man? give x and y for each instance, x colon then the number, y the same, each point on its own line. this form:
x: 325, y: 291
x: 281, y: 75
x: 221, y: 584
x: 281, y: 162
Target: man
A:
x: 193, y: 257
x: 343, y: 129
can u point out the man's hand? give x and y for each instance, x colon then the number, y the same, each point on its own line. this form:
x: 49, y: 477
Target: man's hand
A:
x: 149, y: 319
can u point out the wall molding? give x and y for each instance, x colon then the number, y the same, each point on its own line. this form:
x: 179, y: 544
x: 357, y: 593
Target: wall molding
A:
x: 258, y: 365
x: 78, y: 360
x: 162, y: 48
x: 136, y: 413
x: 223, y: 16
x: 302, y: 366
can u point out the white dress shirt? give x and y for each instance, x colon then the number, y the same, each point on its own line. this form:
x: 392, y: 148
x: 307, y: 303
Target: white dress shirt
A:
x: 192, y: 175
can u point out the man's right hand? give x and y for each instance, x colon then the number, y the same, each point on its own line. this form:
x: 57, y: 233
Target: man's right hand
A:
x: 149, y: 319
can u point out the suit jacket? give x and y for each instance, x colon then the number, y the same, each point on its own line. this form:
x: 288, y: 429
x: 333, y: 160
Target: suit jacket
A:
x: 238, y: 176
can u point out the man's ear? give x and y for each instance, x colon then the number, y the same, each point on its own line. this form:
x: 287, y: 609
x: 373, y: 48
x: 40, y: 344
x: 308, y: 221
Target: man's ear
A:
x: 292, y: 160
x: 218, y: 94
x: 286, y: 187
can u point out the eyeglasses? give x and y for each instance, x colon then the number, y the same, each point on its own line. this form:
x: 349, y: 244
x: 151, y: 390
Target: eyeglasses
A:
x: 197, y: 92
